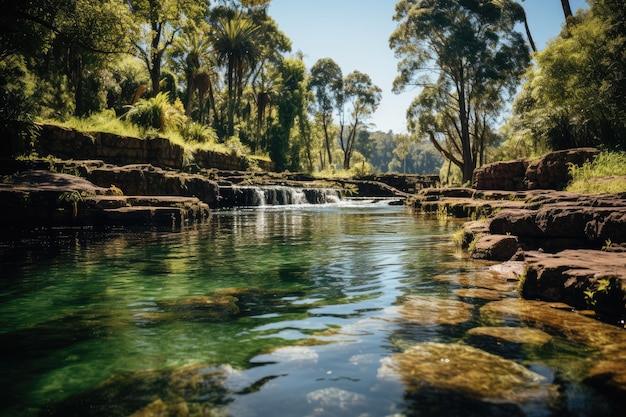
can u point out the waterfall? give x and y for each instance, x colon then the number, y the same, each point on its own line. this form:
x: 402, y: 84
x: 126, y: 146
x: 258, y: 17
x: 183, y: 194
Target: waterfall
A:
x: 276, y: 195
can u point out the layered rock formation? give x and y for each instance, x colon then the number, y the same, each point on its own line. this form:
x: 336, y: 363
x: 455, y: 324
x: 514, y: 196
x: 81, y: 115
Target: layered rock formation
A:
x: 573, y: 245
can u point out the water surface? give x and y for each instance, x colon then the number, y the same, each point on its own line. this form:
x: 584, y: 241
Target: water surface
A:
x: 305, y: 311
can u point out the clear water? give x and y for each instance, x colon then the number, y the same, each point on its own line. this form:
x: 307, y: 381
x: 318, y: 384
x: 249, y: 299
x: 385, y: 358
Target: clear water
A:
x: 268, y: 312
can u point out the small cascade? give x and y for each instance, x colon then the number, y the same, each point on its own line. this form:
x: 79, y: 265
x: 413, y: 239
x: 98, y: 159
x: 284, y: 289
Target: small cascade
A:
x: 276, y: 195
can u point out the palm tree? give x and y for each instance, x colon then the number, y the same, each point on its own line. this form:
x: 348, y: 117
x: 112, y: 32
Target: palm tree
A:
x: 235, y: 46
x: 191, y: 55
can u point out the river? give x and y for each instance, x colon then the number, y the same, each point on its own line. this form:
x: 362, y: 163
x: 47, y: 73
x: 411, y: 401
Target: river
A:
x: 351, y: 309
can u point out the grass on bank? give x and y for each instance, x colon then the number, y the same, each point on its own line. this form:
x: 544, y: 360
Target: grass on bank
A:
x: 605, y: 174
x: 192, y: 136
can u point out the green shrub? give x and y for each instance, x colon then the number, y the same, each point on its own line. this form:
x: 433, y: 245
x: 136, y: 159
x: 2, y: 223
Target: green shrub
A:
x: 196, y: 132
x: 157, y: 113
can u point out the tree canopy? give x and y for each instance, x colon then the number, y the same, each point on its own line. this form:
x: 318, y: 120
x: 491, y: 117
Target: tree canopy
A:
x: 222, y: 71
x: 574, y: 94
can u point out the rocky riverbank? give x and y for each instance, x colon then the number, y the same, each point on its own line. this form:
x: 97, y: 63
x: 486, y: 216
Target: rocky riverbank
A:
x: 573, y: 246
x: 49, y: 193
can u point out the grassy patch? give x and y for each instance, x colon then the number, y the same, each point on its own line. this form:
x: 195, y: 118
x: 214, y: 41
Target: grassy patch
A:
x: 606, y: 174
x: 107, y: 122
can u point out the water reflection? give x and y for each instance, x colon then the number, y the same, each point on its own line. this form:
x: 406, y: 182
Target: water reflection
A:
x: 351, y: 311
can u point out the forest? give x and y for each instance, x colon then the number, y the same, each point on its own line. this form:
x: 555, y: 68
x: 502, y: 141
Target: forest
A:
x: 221, y: 74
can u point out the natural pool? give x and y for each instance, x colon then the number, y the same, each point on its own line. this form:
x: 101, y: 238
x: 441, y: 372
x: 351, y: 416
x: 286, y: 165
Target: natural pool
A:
x: 359, y: 309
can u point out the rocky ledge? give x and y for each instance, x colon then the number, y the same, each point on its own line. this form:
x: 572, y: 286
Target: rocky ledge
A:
x: 45, y: 193
x: 573, y: 246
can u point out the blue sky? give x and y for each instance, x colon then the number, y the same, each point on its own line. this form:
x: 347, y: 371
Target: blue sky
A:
x: 355, y: 34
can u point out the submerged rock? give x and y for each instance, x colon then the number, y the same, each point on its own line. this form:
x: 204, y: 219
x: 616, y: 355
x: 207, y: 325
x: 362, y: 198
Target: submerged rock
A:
x: 192, y: 391
x: 466, y: 371
x: 434, y: 310
x: 490, y: 280
x: 516, y: 335
x: 478, y: 293
x: 609, y: 371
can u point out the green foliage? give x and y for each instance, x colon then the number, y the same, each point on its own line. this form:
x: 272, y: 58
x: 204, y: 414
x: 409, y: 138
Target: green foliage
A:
x: 16, y: 104
x: 605, y: 288
x: 575, y: 94
x: 361, y: 97
x: 196, y: 132
x: 157, y: 113
x: 606, y: 173
x: 73, y: 198
x: 236, y: 147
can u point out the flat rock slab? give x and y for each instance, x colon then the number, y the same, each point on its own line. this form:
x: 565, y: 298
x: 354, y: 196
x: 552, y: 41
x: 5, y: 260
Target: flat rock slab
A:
x: 40, y: 198
x: 35, y: 181
x: 581, y: 278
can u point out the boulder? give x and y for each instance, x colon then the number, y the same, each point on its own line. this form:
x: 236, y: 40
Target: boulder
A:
x: 504, y: 175
x: 581, y: 278
x: 495, y: 247
x: 551, y: 171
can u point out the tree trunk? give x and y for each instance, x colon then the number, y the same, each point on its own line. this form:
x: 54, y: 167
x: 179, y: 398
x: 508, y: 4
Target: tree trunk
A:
x: 531, y: 41
x: 327, y: 139
x: 567, y: 9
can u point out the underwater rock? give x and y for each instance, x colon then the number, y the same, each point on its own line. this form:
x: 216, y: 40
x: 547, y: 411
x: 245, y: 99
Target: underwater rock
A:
x: 478, y: 293
x: 608, y: 340
x: 516, y: 335
x: 465, y: 371
x: 192, y: 391
x: 199, y: 308
x: 490, y: 280
x: 434, y: 310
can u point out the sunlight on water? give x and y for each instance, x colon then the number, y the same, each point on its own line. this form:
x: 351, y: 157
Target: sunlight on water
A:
x: 294, y: 311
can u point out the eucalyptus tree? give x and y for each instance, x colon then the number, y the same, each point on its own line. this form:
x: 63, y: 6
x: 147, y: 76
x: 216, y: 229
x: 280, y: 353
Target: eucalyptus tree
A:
x: 326, y: 82
x: 466, y: 57
x: 236, y: 47
x: 361, y: 97
x: 160, y: 21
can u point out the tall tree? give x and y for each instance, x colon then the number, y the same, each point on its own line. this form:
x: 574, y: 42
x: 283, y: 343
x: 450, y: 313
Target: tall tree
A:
x: 362, y: 97
x: 290, y: 105
x: 160, y: 22
x: 477, y: 57
x: 191, y: 55
x: 236, y: 47
x: 327, y: 85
